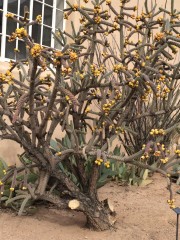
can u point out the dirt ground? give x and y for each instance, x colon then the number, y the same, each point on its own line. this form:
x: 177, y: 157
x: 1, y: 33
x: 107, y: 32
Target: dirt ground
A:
x: 142, y: 214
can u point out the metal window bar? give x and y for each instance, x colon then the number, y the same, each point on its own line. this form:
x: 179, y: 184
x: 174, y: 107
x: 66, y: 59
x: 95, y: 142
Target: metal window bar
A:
x: 53, y: 26
x: 4, y: 25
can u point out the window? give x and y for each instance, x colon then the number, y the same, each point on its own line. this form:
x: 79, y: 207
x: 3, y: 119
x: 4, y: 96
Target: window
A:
x: 52, y: 19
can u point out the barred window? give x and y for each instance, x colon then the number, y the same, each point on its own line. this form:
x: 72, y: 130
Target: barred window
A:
x: 52, y: 19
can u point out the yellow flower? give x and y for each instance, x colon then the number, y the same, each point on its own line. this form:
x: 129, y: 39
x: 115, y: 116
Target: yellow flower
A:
x: 58, y: 153
x: 16, y: 50
x: 107, y: 164
x: 157, y: 153
x: 36, y: 50
x: 143, y: 64
x: 66, y: 70
x: 98, y: 161
x: 73, y: 56
x: 58, y: 54
x: 39, y: 18
x: 11, y: 189
x: 97, y: 19
x: 9, y: 15
x: 21, y: 32
x: 75, y: 7
x: 159, y: 36
x: 67, y: 98
x: 96, y: 72
x: 108, y: 2
x: 66, y: 16
x: 87, y: 109
x: 118, y: 67
x: 97, y: 9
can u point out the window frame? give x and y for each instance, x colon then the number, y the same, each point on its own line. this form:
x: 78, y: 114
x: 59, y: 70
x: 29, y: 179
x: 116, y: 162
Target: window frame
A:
x: 53, y: 26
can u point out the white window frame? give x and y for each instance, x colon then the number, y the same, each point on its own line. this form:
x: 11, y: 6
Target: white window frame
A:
x: 4, y: 23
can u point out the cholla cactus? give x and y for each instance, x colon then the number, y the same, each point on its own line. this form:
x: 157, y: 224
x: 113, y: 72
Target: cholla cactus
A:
x: 115, y: 80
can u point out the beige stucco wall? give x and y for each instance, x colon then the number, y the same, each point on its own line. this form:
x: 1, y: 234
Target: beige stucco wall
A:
x: 9, y: 149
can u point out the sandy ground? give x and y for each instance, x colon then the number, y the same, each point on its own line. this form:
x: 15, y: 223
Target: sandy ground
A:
x: 142, y: 214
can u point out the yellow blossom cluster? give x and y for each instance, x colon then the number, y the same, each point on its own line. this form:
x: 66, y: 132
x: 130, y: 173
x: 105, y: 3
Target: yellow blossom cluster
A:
x: 66, y: 71
x: 157, y: 153
x: 58, y: 54
x: 111, y: 127
x: 174, y: 49
x: 108, y: 2
x: 9, y: 15
x: 81, y: 74
x: 59, y: 153
x: 88, y: 109
x: 155, y: 132
x: 66, y: 16
x: 19, y: 32
x: 75, y: 7
x: 107, y: 107
x: 73, y: 56
x: 115, y: 26
x: 97, y: 9
x: 118, y: 95
x: 140, y: 17
x: 97, y: 19
x: 95, y: 92
x: 68, y: 99
x: 171, y: 203
x: 177, y: 151
x: 107, y: 164
x: 99, y: 161
x: 2, y: 77
x: 16, y: 50
x: 158, y: 87
x: 159, y: 36
x: 164, y: 160
x: 165, y: 92
x: 160, y: 20
x: 118, y: 67
x: 162, y: 146
x: 143, y: 146
x: 162, y: 78
x: 82, y: 20
x: 145, y: 156
x: 39, y: 19
x: 133, y: 83
x: 159, y: 150
x: 7, y: 77
x: 36, y: 50
x: 119, y: 130
x: 144, y: 98
x: 137, y: 27
x: 96, y: 71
